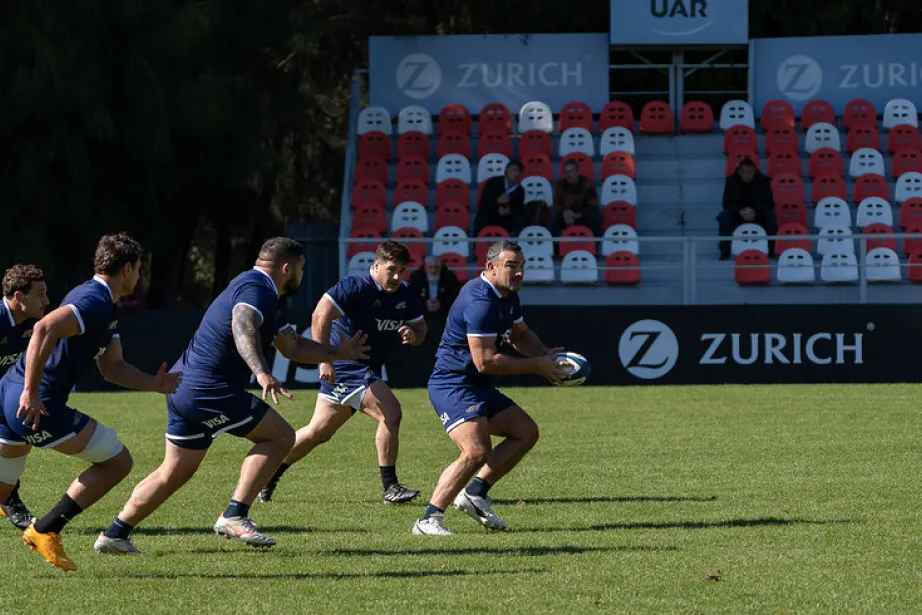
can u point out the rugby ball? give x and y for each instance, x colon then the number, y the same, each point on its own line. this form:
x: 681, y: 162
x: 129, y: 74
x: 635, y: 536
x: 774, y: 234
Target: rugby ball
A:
x: 577, y: 368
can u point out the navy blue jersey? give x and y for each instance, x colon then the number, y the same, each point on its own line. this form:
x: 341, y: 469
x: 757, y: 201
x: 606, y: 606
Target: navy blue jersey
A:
x: 211, y: 359
x: 96, y: 312
x: 13, y: 338
x: 480, y: 311
x: 365, y: 306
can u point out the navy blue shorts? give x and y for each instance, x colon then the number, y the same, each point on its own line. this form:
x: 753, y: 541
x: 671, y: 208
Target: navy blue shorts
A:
x: 61, y: 424
x: 349, y: 389
x: 197, y: 416
x: 456, y: 403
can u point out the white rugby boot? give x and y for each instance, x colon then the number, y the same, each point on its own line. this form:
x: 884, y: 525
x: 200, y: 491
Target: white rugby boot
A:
x: 479, y: 509
x: 242, y: 529
x: 115, y: 546
x: 433, y: 526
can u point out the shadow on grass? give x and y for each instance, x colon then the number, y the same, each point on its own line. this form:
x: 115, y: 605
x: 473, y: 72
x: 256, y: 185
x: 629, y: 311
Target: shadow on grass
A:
x: 609, y: 499
x: 505, y: 551
x: 325, y: 576
x: 690, y: 525
x: 268, y: 529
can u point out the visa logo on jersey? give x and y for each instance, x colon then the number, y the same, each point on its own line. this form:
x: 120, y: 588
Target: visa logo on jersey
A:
x: 9, y: 359
x: 217, y: 421
x: 37, y: 438
x: 388, y: 324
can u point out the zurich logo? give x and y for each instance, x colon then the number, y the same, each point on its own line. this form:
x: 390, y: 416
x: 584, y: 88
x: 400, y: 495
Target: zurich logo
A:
x: 799, y: 77
x: 418, y: 76
x: 648, y: 349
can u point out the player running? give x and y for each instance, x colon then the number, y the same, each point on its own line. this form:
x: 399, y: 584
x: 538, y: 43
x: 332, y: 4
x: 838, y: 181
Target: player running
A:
x: 462, y: 389
x: 82, y: 332
x: 25, y: 298
x: 230, y: 346
x: 384, y: 306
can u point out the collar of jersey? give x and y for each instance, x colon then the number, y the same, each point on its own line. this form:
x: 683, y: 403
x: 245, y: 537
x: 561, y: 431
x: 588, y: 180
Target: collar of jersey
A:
x: 9, y: 312
x: 378, y: 286
x: 484, y: 278
x: 271, y: 281
x: 103, y: 282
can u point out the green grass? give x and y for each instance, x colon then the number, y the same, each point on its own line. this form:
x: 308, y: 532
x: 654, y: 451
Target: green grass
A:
x: 793, y: 499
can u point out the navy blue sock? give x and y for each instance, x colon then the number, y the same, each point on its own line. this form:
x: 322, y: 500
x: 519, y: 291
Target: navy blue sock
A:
x: 431, y: 509
x: 118, y: 529
x: 236, y: 509
x: 479, y: 487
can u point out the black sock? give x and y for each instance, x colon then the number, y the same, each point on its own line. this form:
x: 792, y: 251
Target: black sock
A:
x: 432, y: 509
x: 13, y: 497
x: 388, y: 476
x: 278, y: 473
x: 59, y: 516
x: 479, y: 487
x: 236, y: 509
x: 118, y: 529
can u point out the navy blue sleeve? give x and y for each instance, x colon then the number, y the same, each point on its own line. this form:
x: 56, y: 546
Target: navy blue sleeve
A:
x: 517, y: 315
x: 94, y: 313
x: 414, y: 305
x: 259, y: 297
x: 344, y: 294
x: 481, y: 319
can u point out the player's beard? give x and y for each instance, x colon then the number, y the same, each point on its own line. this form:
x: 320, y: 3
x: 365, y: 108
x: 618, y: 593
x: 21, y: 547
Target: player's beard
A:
x: 291, y: 287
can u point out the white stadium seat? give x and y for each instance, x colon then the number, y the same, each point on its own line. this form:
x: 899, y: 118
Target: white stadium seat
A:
x: 832, y: 211
x: 616, y: 139
x: 908, y: 185
x: 579, y: 267
x: 410, y: 215
x: 450, y: 239
x: 414, y: 118
x: 736, y: 113
x: 375, y: 119
x: 866, y: 160
x: 835, y: 239
x: 749, y: 237
x: 839, y: 268
x: 882, y: 265
x: 360, y: 263
x: 536, y: 115
x: 619, y: 188
x: 576, y: 140
x: 539, y: 269
x: 822, y: 135
x: 872, y: 210
x: 536, y: 241
x: 453, y: 166
x: 491, y: 165
x: 619, y: 238
x: 795, y: 266
x: 900, y: 111
x: 538, y: 188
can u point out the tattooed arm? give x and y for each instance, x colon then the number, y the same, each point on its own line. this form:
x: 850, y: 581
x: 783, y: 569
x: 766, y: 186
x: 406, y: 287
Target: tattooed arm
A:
x: 245, y: 323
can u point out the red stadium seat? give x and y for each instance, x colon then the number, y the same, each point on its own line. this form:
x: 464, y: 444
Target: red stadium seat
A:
x: 696, y: 116
x: 537, y: 164
x: 494, y: 143
x: 453, y: 143
x: 417, y: 248
x: 784, y: 162
x: 456, y: 263
x: 859, y: 112
x: 370, y: 216
x: 752, y: 268
x: 798, y: 237
x: 907, y: 161
x: 455, y: 118
x: 369, y: 192
x: 374, y: 144
x: 791, y: 213
x: 413, y: 143
x: 494, y: 118
x: 412, y: 190
x: 371, y: 240
x: 862, y: 136
x: 911, y: 213
x: 781, y: 139
x: 740, y: 138
x: 536, y: 142
x: 879, y: 229
x: 374, y: 169
x: 618, y: 163
x: 622, y: 268
x: 619, y: 212
x: 828, y: 186
x: 576, y: 115
x: 816, y: 112
x: 826, y: 161
x: 452, y: 191
x: 903, y: 136
x: 453, y: 214
x: 656, y: 118
x: 577, y: 230
x: 788, y: 188
x: 480, y: 248
x: 870, y: 184
x: 735, y: 158
x: 583, y: 161
x: 616, y: 113
x: 915, y: 267
x: 777, y: 114
x: 413, y: 167
x: 912, y: 245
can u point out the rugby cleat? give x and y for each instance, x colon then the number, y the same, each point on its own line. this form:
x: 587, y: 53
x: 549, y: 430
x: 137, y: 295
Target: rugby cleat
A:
x: 115, y: 546
x: 265, y: 494
x: 398, y: 494
x: 433, y: 526
x: 242, y: 529
x: 480, y: 509
x: 14, y: 510
x: 48, y: 546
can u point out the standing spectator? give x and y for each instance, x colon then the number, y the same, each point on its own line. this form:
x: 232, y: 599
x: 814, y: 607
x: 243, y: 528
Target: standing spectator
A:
x: 575, y: 202
x: 436, y: 285
x: 747, y: 198
x: 502, y: 202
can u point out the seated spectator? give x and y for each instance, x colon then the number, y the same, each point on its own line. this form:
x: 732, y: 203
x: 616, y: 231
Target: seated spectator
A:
x: 575, y: 202
x: 436, y: 285
x: 502, y: 202
x: 747, y: 198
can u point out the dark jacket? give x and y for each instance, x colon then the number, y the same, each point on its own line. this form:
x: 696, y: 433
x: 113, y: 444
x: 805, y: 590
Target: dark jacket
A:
x: 449, y: 287
x: 495, y: 188
x: 756, y: 194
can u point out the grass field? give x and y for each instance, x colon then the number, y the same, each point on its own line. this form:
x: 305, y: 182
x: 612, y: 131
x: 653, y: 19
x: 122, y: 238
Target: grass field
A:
x: 793, y: 499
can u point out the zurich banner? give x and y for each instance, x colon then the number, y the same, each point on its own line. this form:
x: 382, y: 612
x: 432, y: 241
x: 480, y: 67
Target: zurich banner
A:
x: 837, y: 69
x: 679, y: 22
x: 475, y: 70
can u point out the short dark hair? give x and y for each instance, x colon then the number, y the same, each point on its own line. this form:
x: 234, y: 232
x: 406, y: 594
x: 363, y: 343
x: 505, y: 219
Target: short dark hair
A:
x: 514, y: 163
x: 19, y: 278
x: 280, y: 250
x: 113, y: 252
x: 393, y: 251
x: 746, y: 162
x: 503, y: 245
x: 571, y: 163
